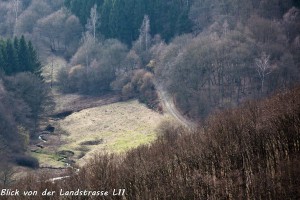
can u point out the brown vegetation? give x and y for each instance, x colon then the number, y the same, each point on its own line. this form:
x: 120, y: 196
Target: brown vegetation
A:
x: 139, y: 84
x: 246, y: 153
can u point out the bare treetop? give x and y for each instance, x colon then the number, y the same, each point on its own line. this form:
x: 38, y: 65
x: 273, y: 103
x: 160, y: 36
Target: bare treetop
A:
x: 93, y: 20
x: 263, y: 67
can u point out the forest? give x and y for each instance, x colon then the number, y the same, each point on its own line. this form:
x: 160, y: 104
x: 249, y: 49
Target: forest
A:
x: 230, y: 68
x: 230, y: 52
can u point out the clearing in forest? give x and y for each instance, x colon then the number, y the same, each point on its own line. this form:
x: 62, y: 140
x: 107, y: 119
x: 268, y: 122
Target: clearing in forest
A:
x: 116, y: 128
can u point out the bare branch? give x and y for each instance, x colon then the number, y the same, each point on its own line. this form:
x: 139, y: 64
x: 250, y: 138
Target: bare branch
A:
x: 263, y: 67
x: 93, y: 20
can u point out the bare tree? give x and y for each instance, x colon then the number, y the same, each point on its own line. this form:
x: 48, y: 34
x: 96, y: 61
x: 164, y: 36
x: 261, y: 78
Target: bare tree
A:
x: 92, y: 22
x: 16, y: 7
x: 225, y: 28
x: 6, y: 174
x: 88, y: 43
x: 263, y: 68
x: 143, y: 44
x: 51, y: 28
x: 145, y: 37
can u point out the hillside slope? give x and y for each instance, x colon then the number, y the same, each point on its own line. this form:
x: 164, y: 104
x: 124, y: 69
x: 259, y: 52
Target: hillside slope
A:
x: 251, y: 152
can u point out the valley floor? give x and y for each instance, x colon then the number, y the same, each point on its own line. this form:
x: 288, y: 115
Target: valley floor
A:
x: 85, y: 126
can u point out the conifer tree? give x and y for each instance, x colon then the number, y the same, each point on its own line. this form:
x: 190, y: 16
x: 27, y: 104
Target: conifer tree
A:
x: 11, y: 58
x: 1, y: 61
x: 114, y: 18
x: 16, y: 44
x: 18, y: 56
x: 35, y: 64
x: 24, y: 64
x: 105, y: 17
x: 17, y: 50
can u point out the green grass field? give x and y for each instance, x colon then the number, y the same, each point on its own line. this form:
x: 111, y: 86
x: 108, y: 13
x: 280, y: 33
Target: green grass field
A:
x: 120, y: 126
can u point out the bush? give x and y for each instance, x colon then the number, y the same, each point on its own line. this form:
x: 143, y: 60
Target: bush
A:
x: 139, y: 84
x: 94, y: 67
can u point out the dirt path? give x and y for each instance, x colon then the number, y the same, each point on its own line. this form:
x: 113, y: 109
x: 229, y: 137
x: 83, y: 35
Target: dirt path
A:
x: 169, y: 106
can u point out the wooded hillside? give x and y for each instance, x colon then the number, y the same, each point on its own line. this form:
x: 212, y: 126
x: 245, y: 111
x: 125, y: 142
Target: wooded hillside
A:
x: 122, y: 19
x: 251, y: 152
x: 215, y: 60
x: 24, y: 98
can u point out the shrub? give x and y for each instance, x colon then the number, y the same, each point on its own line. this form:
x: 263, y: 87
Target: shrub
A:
x: 139, y: 85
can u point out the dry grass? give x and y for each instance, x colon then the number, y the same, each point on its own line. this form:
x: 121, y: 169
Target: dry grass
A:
x: 122, y: 126
x: 77, y: 102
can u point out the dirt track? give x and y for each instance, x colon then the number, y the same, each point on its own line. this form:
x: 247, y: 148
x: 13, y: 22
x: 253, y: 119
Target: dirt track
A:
x: 169, y: 106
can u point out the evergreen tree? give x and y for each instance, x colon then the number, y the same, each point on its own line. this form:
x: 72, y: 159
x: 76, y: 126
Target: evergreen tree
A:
x: 127, y: 19
x: 18, y: 56
x: 105, y: 14
x: 12, y: 58
x: 17, y: 50
x: 114, y: 18
x: 35, y: 65
x: 138, y: 12
x: 183, y: 24
x: 16, y: 44
x: 24, y: 64
x: 1, y: 61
